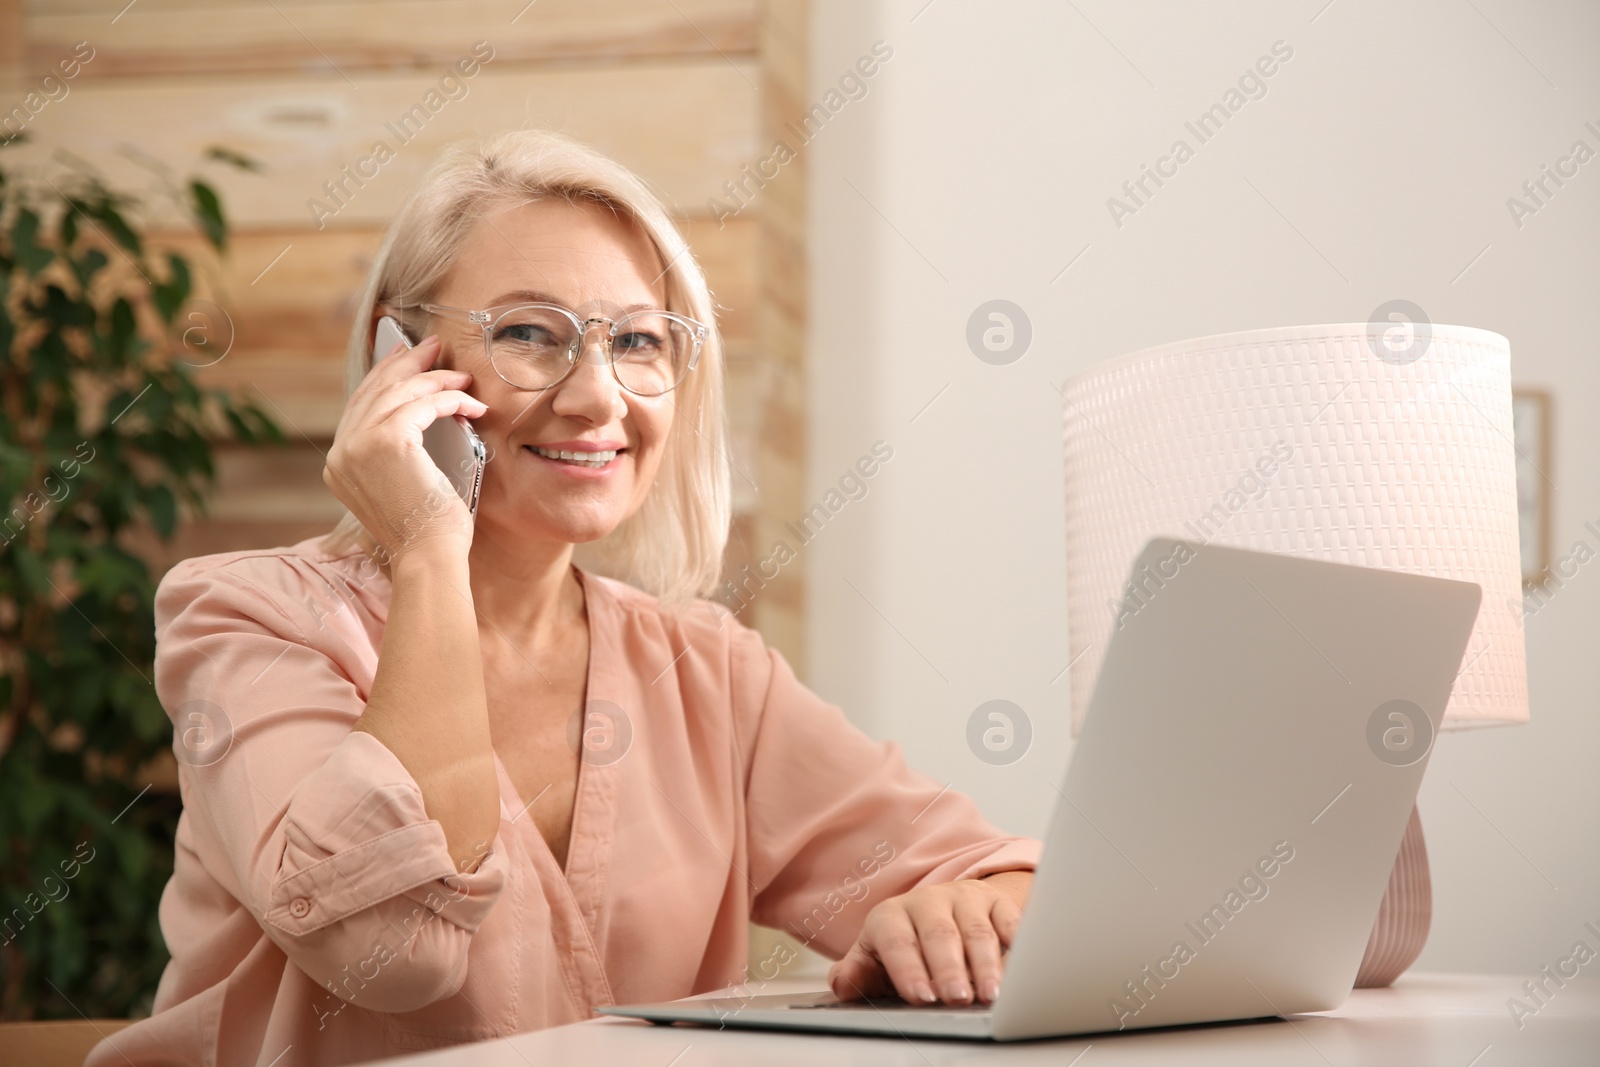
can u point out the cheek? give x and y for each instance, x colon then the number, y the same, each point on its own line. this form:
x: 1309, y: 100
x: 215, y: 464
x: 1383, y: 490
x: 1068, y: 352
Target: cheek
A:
x: 654, y: 427
x: 510, y: 409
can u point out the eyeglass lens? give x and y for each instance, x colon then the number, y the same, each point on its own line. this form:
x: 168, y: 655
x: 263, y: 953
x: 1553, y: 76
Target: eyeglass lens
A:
x: 533, y: 348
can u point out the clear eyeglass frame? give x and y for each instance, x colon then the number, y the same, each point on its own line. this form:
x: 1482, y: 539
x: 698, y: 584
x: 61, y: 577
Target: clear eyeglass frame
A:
x: 489, y: 318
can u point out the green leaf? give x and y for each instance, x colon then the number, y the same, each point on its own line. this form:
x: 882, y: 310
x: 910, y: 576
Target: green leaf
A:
x: 35, y: 579
x: 67, y: 229
x: 34, y: 804
x: 232, y: 158
x: 242, y: 430
x: 163, y: 508
x: 170, y: 294
x: 132, y: 853
x: 266, y: 428
x: 66, y: 311
x: 208, y: 212
x: 119, y: 337
x: 106, y: 211
x: 25, y: 249
x: 92, y: 263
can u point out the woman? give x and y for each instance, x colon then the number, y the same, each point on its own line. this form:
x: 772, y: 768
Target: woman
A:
x: 456, y: 786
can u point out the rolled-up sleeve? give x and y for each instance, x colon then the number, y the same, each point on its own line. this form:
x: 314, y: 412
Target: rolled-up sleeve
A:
x: 837, y: 821
x: 317, y: 829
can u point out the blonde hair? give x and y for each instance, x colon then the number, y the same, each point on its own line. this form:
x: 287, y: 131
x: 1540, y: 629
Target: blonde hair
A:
x: 672, y: 545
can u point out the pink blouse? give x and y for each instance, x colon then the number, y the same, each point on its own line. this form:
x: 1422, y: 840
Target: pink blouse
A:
x: 314, y: 913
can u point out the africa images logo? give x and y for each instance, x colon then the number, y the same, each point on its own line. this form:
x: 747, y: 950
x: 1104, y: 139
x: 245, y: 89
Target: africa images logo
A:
x: 1399, y: 733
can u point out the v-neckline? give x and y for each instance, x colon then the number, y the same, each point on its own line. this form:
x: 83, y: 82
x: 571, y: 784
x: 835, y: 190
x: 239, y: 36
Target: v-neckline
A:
x: 579, y: 786
x: 575, y: 890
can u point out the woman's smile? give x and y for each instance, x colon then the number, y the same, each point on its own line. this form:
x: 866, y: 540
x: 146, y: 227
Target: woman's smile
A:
x: 580, y: 459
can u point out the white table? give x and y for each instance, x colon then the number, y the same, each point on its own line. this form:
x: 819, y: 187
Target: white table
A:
x: 1424, y: 1020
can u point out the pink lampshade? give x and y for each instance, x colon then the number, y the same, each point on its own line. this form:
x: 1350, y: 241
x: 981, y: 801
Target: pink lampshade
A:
x: 1329, y: 442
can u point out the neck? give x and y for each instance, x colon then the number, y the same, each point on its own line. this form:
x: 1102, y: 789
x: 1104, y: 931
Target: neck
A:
x: 525, y: 590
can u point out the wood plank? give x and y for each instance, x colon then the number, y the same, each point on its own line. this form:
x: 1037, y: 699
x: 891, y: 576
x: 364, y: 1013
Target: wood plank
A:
x: 684, y: 127
x: 12, y: 44
x: 283, y: 291
x: 303, y: 392
x: 272, y: 485
x: 780, y: 448
x: 727, y: 254
x: 161, y: 37
x: 56, y: 1041
x: 264, y: 497
x: 746, y: 388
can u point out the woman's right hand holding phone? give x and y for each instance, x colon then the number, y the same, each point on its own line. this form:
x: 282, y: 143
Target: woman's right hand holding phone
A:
x: 427, y: 703
x: 377, y: 466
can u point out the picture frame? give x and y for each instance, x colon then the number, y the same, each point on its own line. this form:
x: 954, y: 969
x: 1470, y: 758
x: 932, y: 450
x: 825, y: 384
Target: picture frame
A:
x: 1531, y: 434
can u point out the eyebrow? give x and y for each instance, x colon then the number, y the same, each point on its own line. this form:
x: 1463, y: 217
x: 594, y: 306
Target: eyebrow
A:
x: 533, y: 296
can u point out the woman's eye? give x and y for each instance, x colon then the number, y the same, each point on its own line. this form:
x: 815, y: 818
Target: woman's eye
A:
x: 637, y: 344
x: 527, y: 334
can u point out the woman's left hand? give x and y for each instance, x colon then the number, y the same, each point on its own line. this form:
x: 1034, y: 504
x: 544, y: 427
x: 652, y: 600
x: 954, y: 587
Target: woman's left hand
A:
x: 938, y: 942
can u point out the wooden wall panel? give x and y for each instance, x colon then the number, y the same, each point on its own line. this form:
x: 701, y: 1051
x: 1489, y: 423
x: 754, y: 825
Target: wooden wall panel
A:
x: 780, y: 327
x: 13, y: 44
x: 286, y: 291
x: 163, y: 37
x: 688, y: 127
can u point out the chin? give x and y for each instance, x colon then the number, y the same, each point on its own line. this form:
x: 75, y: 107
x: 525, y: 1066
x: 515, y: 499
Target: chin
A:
x: 585, y: 534
x: 573, y: 529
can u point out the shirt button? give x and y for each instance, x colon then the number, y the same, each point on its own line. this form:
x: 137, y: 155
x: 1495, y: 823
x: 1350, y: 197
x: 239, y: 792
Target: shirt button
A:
x: 299, y: 907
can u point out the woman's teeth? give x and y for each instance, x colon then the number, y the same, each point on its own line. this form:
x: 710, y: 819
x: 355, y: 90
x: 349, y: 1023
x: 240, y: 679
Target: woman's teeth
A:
x: 593, y: 460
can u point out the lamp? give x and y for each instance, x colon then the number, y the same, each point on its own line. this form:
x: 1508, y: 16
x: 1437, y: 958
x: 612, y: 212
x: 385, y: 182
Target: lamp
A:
x: 1370, y: 444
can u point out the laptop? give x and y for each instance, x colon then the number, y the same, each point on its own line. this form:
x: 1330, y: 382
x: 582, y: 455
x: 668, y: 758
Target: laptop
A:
x: 1227, y: 824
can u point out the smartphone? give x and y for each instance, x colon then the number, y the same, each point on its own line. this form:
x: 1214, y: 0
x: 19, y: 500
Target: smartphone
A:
x: 452, y: 445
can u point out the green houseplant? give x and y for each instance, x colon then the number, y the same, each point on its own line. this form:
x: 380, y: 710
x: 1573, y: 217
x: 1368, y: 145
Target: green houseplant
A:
x: 105, y: 437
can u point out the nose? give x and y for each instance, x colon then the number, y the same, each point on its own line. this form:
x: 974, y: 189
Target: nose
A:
x: 590, y: 391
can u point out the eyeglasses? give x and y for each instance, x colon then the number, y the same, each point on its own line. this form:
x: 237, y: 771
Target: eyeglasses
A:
x: 535, y: 346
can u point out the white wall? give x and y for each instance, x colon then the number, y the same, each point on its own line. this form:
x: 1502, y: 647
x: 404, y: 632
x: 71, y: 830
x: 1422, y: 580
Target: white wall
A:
x: 982, y: 158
